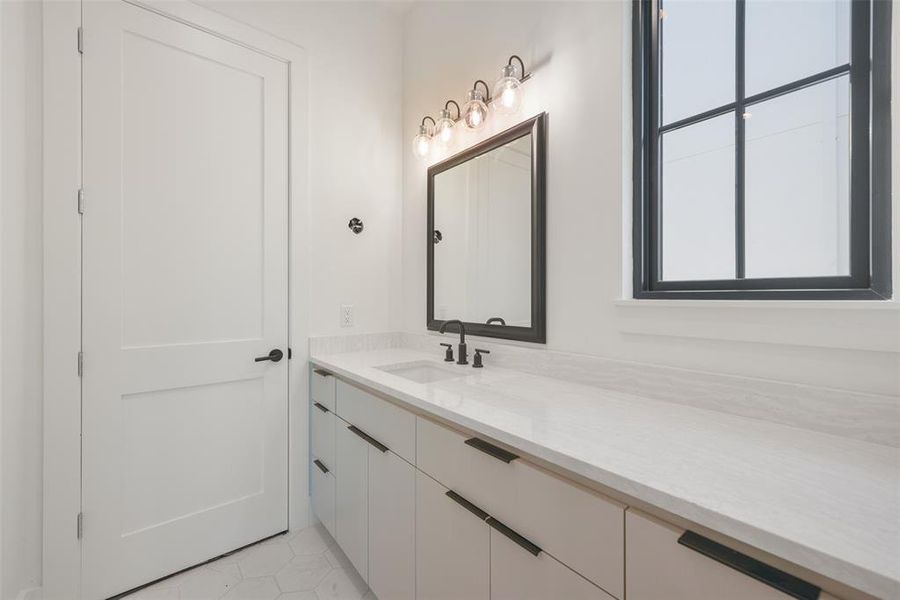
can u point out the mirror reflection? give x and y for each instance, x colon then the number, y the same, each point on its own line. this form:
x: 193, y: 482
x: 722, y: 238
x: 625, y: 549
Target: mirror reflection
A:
x: 482, y: 237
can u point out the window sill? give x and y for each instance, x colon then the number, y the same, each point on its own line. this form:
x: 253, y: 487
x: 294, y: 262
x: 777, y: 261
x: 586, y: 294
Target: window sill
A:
x: 850, y: 325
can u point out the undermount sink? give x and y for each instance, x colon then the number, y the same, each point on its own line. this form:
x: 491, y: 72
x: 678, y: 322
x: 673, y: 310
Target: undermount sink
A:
x: 422, y: 371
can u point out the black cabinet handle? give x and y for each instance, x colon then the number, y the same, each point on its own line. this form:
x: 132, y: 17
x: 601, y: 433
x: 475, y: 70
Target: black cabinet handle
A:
x: 498, y: 453
x: 467, y: 505
x: 523, y: 542
x: 368, y: 438
x: 320, y: 407
x: 760, y: 571
x: 273, y: 355
x: 322, y: 372
x: 319, y: 464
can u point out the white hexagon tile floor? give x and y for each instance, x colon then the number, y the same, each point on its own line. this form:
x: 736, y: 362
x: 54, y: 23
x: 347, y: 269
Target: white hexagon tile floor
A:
x: 301, y: 565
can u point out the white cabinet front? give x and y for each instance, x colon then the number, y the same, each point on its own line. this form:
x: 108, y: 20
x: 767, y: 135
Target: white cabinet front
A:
x: 351, y: 497
x: 452, y: 546
x: 392, y: 521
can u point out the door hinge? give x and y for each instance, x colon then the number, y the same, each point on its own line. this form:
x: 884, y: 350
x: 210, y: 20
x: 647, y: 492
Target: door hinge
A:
x: 80, y: 40
x: 80, y: 363
x: 81, y: 201
x: 79, y: 525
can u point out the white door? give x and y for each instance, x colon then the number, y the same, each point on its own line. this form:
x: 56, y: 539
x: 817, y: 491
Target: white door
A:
x: 185, y: 442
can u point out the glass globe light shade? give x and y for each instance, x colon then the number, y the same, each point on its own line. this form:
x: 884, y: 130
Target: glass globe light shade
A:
x: 508, y: 92
x: 443, y: 131
x: 475, y: 111
x: 422, y: 143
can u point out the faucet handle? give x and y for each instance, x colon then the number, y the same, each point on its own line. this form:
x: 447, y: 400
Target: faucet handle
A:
x: 448, y: 356
x: 476, y: 360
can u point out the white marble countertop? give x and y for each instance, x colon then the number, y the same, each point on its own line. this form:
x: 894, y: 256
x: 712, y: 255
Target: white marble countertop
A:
x: 827, y: 503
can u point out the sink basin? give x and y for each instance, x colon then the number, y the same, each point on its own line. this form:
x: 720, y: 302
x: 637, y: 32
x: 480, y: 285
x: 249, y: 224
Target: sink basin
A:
x: 422, y: 371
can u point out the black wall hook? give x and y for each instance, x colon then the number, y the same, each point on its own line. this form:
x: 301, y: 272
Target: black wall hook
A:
x: 355, y: 225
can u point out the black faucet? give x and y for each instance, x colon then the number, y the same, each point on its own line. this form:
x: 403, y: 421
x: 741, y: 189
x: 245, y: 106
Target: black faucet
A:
x: 463, y: 356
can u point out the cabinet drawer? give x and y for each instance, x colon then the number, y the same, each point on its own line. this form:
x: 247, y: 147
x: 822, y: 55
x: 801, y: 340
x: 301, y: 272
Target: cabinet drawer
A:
x: 659, y: 568
x: 518, y: 575
x: 385, y: 422
x: 323, y: 496
x: 321, y: 388
x: 577, y: 526
x: 322, y: 433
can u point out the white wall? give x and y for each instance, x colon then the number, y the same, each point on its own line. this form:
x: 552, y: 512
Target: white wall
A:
x: 20, y: 345
x: 580, y: 54
x: 355, y: 151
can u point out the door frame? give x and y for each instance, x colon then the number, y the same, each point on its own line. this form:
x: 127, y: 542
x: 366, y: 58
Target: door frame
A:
x: 62, y: 143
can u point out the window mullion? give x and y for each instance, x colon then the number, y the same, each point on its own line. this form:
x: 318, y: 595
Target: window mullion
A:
x: 739, y: 141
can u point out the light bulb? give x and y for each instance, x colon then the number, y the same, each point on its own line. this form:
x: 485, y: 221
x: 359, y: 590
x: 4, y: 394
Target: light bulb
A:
x: 508, y: 92
x: 443, y: 131
x: 422, y: 143
x: 475, y: 110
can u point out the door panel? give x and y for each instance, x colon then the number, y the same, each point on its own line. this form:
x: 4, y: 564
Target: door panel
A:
x: 185, y: 282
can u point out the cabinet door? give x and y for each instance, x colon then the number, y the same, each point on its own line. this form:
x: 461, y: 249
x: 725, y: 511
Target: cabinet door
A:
x: 323, y: 494
x: 452, y: 546
x: 516, y: 574
x: 392, y: 521
x: 351, y: 497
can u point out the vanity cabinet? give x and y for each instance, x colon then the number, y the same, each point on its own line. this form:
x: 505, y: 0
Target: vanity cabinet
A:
x: 374, y: 486
x: 453, y: 545
x: 425, y: 511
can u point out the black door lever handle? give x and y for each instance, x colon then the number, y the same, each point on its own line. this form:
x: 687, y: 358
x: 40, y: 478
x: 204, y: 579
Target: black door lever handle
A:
x: 274, y: 356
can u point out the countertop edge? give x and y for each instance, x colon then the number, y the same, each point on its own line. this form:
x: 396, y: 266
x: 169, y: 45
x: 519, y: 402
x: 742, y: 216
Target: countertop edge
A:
x: 837, y: 569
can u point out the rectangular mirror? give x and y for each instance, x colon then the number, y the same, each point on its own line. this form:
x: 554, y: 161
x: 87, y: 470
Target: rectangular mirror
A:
x: 486, y: 232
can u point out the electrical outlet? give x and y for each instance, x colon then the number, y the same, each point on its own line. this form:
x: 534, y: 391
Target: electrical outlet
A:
x: 346, y: 315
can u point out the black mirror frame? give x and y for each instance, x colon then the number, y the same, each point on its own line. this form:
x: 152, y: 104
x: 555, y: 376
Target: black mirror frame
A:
x: 537, y: 333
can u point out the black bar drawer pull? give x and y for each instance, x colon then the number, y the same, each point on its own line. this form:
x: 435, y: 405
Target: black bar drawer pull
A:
x: 467, y: 505
x: 781, y: 581
x: 322, y: 372
x: 319, y: 464
x: 368, y: 438
x: 498, y: 453
x: 320, y: 407
x: 525, y: 543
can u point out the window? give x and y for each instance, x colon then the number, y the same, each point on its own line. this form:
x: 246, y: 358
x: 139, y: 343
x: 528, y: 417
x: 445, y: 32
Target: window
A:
x: 762, y: 149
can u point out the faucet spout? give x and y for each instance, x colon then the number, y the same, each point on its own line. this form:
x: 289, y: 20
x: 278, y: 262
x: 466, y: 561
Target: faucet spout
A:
x: 463, y: 356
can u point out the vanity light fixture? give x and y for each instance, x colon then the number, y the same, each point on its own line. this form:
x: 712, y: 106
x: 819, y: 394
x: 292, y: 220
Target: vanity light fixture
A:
x: 443, y: 130
x: 422, y: 141
x: 475, y: 110
x: 506, y: 99
x: 508, y: 91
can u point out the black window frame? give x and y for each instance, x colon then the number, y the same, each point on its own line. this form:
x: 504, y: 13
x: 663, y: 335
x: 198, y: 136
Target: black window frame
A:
x: 870, y: 165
